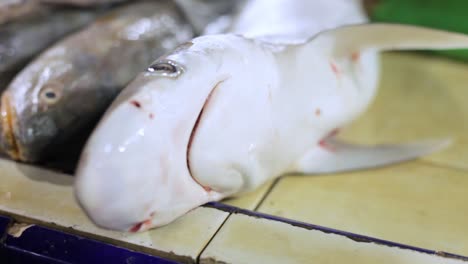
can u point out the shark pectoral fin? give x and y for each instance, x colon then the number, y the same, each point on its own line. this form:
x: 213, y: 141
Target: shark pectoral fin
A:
x: 335, y: 156
x: 347, y: 40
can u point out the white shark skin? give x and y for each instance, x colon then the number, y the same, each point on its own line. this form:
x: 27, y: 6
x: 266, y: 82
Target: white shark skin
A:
x: 288, y: 100
x: 272, y: 110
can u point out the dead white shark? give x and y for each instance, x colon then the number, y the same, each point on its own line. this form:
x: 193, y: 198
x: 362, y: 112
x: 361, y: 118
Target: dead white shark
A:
x: 223, y: 114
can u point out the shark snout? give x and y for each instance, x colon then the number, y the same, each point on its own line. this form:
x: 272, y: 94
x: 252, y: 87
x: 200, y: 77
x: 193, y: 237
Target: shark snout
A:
x: 134, y: 177
x: 111, y: 198
x: 116, y: 198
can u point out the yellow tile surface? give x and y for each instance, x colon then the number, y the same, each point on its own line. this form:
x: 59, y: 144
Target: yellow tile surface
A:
x: 412, y: 203
x: 420, y: 97
x: 251, y: 200
x: 40, y: 196
x: 245, y: 239
x: 415, y: 203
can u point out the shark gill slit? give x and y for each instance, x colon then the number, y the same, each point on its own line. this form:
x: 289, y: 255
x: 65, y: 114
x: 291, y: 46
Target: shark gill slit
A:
x: 194, y: 131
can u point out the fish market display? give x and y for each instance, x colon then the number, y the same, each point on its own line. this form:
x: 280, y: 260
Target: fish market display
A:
x: 23, y: 39
x: 222, y: 114
x: 65, y: 90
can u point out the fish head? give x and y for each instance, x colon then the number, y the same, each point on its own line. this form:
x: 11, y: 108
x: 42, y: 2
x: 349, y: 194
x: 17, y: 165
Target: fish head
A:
x: 48, y: 97
x: 134, y: 173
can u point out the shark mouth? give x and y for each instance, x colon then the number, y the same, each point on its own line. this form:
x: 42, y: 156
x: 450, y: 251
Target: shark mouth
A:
x: 194, y: 132
x: 139, y: 226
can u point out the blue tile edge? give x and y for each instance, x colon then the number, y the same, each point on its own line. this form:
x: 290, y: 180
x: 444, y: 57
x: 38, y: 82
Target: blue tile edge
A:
x: 46, y: 245
x: 4, y: 222
x: 13, y: 256
x: 352, y: 236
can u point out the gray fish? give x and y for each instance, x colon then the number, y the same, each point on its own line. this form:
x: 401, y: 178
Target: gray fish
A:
x: 13, y: 9
x: 83, y: 2
x: 21, y: 40
x: 203, y: 13
x: 67, y: 88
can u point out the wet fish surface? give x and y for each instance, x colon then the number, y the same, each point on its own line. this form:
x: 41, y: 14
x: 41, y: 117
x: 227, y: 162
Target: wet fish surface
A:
x: 21, y: 40
x: 205, y: 13
x: 66, y: 89
x: 13, y: 9
x: 83, y: 2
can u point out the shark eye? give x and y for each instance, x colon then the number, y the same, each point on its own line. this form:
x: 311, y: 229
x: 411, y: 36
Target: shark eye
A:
x: 51, y: 94
x: 163, y: 67
x: 166, y: 68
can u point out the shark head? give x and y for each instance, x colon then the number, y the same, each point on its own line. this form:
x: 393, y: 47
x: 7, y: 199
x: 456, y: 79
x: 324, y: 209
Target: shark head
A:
x: 134, y: 173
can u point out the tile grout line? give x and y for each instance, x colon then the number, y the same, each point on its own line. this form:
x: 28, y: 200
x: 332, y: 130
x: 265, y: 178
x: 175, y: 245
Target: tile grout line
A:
x: 270, y: 189
x: 353, y: 236
x: 213, y: 237
x: 308, y: 226
x: 267, y: 193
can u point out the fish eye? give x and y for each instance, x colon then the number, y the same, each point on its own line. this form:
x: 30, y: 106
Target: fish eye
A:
x: 51, y: 94
x: 163, y: 67
x: 166, y: 68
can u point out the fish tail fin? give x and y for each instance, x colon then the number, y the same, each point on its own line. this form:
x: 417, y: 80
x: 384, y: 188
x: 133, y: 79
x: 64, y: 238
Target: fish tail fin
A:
x: 342, y: 157
x: 349, y: 39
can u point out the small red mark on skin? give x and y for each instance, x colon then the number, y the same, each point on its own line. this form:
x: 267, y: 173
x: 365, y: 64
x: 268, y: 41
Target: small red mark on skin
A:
x: 151, y: 116
x: 136, y: 103
x: 323, y: 143
x: 147, y: 222
x: 318, y: 112
x: 333, y: 133
x: 355, y: 56
x: 334, y: 68
x: 137, y: 227
x: 207, y: 189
